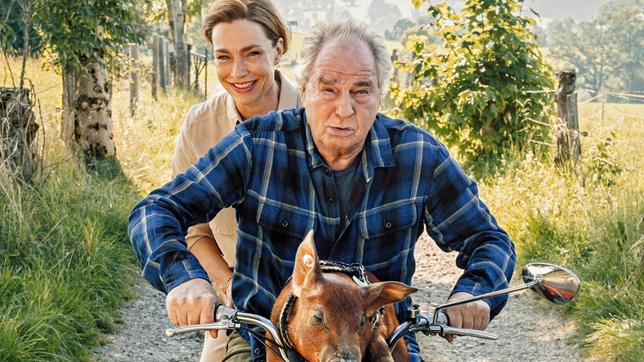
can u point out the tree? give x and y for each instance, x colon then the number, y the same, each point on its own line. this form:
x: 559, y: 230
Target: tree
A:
x: 627, y: 30
x: 382, y: 15
x: 557, y: 28
x: 607, y: 50
x: 399, y: 29
x: 12, y: 27
x: 177, y: 20
x: 590, y: 49
x: 82, y: 39
x: 475, y: 89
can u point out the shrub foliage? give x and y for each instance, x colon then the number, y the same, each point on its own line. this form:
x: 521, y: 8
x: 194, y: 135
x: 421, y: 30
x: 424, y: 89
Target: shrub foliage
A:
x: 475, y: 89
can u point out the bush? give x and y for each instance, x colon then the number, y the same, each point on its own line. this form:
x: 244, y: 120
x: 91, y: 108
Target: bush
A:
x: 475, y: 90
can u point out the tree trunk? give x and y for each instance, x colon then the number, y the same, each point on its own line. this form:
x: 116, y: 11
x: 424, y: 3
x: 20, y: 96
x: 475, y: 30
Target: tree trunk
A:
x: 18, y: 130
x: 181, y: 54
x: 135, y: 78
x: 70, y: 93
x: 87, y: 113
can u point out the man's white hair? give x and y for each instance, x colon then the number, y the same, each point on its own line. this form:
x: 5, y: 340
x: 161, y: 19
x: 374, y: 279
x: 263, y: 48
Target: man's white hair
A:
x: 350, y: 32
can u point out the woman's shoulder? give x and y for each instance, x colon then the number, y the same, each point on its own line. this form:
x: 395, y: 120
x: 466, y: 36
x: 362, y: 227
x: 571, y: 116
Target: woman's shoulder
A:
x: 214, y: 110
x: 289, y: 95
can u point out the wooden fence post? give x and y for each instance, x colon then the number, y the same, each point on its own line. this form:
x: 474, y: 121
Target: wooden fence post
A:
x: 135, y: 78
x: 163, y: 64
x: 568, y: 146
x: 156, y: 45
x: 189, y: 60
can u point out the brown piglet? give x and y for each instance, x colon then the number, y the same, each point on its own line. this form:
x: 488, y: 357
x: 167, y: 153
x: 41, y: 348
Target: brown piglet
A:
x: 328, y: 316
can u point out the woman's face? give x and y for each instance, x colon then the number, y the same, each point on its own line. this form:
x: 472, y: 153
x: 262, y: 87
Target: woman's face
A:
x: 245, y: 61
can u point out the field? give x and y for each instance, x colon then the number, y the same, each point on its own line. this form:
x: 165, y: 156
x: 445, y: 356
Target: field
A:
x: 67, y: 263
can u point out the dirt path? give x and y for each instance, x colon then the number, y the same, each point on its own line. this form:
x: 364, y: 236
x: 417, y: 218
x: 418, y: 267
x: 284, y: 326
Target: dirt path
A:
x: 527, y: 332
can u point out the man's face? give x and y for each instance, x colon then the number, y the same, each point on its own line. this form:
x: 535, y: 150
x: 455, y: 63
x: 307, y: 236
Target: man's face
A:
x: 341, y: 98
x: 244, y: 60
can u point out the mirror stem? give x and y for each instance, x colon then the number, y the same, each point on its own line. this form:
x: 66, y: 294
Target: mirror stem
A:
x: 484, y: 296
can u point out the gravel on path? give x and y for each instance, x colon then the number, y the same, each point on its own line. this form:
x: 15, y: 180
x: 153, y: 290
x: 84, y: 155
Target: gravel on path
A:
x: 527, y: 330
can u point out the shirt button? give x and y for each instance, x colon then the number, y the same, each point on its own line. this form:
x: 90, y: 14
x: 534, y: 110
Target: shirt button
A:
x: 285, y: 223
x: 387, y: 225
x: 327, y: 171
x: 330, y: 199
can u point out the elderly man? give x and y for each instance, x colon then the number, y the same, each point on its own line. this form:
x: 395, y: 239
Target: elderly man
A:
x: 367, y: 185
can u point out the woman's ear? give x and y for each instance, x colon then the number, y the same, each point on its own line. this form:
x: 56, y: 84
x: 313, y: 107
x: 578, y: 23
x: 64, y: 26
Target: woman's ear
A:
x: 279, y: 50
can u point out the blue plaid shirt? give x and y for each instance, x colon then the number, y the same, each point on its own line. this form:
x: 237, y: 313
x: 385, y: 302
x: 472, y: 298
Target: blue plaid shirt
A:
x: 271, y: 172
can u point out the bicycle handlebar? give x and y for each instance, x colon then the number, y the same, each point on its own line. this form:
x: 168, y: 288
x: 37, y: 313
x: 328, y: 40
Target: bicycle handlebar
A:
x: 229, y: 318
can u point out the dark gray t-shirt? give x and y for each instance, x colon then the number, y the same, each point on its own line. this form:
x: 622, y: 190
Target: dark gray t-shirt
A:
x: 345, y: 181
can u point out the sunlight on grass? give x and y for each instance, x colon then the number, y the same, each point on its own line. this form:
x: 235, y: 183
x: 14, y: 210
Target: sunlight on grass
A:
x: 590, y: 221
x: 67, y: 261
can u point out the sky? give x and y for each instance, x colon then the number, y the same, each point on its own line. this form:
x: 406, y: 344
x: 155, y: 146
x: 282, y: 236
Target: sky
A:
x: 548, y: 9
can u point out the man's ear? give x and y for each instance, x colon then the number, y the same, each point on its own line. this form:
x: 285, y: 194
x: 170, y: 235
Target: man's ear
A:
x: 307, y: 264
x: 303, y: 91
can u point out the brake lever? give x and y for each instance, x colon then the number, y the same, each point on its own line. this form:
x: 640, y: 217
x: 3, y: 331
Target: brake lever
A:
x: 224, y: 324
x: 468, y: 332
x: 442, y: 328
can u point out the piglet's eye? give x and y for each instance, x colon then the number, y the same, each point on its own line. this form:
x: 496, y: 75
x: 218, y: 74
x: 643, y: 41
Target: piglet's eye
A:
x: 362, y: 321
x: 317, y: 318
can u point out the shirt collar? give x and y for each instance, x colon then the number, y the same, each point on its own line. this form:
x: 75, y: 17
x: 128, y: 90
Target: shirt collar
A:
x: 231, y: 110
x: 376, y: 153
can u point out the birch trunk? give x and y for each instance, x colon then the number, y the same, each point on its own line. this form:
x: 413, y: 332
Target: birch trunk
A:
x: 87, y: 113
x: 181, y: 54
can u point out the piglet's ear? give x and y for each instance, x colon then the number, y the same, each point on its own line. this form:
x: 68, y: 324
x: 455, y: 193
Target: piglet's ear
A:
x: 307, y: 264
x: 378, y: 294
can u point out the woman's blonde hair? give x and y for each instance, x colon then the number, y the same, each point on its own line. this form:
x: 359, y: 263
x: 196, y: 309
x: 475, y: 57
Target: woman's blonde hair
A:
x: 263, y: 12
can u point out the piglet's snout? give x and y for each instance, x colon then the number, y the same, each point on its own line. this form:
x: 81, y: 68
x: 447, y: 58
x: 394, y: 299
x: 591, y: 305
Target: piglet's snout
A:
x: 342, y: 354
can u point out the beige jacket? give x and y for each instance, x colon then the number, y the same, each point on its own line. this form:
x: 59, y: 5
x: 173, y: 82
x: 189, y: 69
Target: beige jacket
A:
x: 204, y: 126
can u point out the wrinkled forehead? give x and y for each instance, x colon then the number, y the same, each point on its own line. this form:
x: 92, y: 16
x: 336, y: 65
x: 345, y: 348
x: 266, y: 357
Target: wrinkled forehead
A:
x: 342, y: 62
x: 340, y: 78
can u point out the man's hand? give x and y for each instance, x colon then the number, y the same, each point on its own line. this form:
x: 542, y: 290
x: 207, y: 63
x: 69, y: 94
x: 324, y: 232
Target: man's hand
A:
x: 192, y: 302
x: 474, y: 315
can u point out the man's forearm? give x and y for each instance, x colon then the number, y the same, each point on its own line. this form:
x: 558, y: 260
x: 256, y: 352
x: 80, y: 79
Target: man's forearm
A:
x: 489, y: 267
x: 159, y: 246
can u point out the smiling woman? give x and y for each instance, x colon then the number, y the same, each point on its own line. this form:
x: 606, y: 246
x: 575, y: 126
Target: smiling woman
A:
x: 249, y: 37
x: 245, y: 61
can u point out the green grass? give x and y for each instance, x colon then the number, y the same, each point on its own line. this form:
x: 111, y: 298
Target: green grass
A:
x: 591, y: 221
x: 67, y: 264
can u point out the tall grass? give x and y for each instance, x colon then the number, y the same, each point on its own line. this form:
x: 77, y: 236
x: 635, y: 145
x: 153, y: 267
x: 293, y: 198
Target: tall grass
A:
x: 590, y: 220
x: 66, y: 263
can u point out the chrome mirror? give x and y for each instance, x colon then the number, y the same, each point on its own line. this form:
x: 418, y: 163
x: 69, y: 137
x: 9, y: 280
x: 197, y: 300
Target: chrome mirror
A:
x: 556, y: 284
